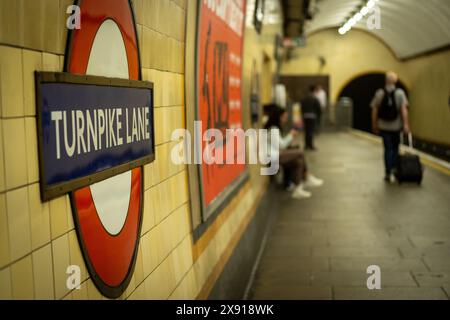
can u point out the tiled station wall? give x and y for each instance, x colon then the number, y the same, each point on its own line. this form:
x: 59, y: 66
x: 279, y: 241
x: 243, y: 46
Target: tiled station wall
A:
x: 38, y: 240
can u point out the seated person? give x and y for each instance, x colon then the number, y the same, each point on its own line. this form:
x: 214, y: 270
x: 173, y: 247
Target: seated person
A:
x: 291, y: 159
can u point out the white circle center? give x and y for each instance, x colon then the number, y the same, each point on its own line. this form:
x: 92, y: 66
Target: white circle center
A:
x: 108, y: 58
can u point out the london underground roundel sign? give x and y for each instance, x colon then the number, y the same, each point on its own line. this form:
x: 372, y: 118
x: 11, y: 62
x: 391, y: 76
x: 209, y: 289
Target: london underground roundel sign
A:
x: 107, y: 214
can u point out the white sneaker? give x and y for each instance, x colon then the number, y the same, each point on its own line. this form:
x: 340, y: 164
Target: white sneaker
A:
x: 301, y: 193
x: 392, y: 178
x: 291, y: 187
x: 314, y: 182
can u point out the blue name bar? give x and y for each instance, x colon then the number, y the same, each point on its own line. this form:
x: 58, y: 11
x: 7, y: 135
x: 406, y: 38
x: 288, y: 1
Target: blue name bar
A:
x: 91, y: 128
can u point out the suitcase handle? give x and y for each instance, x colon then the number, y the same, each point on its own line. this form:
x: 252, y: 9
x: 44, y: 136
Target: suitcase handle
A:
x: 410, y: 140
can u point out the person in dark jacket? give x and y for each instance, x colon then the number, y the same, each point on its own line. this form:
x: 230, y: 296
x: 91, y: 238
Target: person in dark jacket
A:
x: 310, y: 112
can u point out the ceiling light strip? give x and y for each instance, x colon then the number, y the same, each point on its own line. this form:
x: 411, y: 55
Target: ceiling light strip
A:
x: 358, y: 16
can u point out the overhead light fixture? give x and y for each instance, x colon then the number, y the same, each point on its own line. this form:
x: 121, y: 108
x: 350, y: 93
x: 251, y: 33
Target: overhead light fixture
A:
x: 358, y: 16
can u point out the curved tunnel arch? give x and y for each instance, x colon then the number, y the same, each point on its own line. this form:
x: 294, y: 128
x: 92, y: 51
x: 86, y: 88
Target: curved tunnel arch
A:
x: 361, y: 90
x: 409, y: 27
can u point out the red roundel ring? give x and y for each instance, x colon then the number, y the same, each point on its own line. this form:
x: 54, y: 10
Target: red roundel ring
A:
x: 109, y: 257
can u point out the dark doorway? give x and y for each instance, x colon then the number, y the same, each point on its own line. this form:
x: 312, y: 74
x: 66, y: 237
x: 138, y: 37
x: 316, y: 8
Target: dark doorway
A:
x: 361, y: 90
x: 297, y: 87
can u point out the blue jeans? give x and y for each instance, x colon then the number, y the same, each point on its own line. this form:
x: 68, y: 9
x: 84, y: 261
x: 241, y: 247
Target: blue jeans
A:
x: 391, y: 141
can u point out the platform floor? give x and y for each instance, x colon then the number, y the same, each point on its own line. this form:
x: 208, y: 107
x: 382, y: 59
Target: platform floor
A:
x: 320, y: 248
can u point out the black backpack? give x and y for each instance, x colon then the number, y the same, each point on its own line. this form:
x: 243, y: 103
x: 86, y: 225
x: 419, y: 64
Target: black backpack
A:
x: 388, y: 108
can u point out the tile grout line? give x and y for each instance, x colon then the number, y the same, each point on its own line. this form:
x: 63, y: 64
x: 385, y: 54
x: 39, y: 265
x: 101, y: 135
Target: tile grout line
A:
x: 414, y: 278
x: 159, y: 264
x: 426, y: 265
x: 445, y: 292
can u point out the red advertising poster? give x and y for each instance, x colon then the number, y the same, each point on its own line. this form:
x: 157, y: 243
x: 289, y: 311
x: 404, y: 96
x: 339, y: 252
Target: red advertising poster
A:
x: 219, y: 79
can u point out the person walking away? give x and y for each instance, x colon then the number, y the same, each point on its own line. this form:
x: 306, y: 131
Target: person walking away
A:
x: 310, y: 111
x: 290, y: 158
x: 389, y: 118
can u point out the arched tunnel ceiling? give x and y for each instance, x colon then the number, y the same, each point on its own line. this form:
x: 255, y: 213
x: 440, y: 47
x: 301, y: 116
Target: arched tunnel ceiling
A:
x: 408, y: 27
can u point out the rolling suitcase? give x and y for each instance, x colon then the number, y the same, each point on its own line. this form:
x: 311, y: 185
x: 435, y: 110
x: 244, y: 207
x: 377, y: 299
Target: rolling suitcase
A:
x: 409, y: 168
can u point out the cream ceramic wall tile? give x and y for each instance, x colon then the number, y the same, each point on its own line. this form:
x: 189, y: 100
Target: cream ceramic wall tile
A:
x: 161, y: 282
x: 154, y: 76
x: 167, y: 235
x: 39, y: 217
x: 155, y: 170
x: 76, y: 257
x: 187, y: 288
x: 51, y: 26
x: 148, y: 176
x: 131, y: 287
x: 43, y: 273
x: 146, y: 257
x: 158, y: 51
x: 22, y: 279
x: 32, y: 150
x: 162, y: 246
x: 32, y: 61
x: 154, y: 247
x: 148, y: 214
x: 33, y: 21
x: 179, y: 183
x: 163, y: 155
x: 138, y: 268
x: 68, y: 297
x: 159, y: 114
x: 58, y: 216
x: 11, y: 22
x: 172, y: 11
x: 167, y: 120
x: 181, y: 223
x: 139, y: 293
x: 164, y: 201
x: 2, y: 162
x: 179, y: 28
x: 15, y: 155
x: 182, y: 260
x: 180, y: 59
x: 82, y: 293
x: 177, y: 148
x: 140, y: 36
x: 174, y: 189
x: 145, y: 45
x: 166, y: 93
x: 173, y: 55
x: 4, y: 234
x: 18, y: 223
x: 5, y: 284
x: 180, y: 3
x: 70, y: 223
x: 156, y: 198
x: 61, y: 261
x: 11, y: 82
x: 166, y: 18
x: 93, y: 293
x: 50, y: 62
x: 151, y: 13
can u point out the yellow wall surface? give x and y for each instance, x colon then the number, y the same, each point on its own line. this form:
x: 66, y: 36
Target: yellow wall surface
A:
x: 429, y: 95
x: 38, y: 240
x: 358, y: 53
